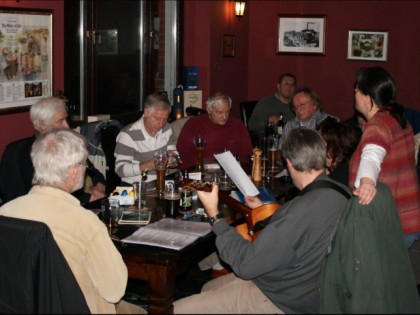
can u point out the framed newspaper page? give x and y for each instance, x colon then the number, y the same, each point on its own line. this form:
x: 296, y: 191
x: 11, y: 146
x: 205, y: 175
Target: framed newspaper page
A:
x: 26, y: 42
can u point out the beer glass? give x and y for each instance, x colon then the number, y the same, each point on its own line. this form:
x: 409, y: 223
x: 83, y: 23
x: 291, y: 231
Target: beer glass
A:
x: 172, y: 197
x: 160, y: 160
x: 273, y: 153
x: 199, y: 143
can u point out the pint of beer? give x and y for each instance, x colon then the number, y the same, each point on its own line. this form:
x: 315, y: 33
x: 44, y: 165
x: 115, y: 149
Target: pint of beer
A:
x: 161, y: 160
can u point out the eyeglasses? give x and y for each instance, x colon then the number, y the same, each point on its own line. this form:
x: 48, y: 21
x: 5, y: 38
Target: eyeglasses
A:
x: 285, y: 83
x: 89, y: 165
x: 296, y: 107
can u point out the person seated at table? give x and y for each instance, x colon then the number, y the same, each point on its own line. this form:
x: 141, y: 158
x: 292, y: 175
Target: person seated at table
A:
x: 341, y: 142
x: 269, y: 107
x: 220, y: 130
x: 137, y: 142
x: 279, y: 271
x: 59, y: 160
x: 308, y: 109
x: 16, y: 169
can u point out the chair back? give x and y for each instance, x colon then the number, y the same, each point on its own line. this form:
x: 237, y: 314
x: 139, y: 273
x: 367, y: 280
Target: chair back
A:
x: 247, y: 107
x: 35, y: 277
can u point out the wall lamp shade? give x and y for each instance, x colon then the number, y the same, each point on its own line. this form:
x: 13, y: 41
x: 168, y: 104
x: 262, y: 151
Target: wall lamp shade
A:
x: 239, y: 9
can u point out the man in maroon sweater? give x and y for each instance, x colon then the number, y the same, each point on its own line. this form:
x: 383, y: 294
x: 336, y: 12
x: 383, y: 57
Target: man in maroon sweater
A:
x: 220, y: 131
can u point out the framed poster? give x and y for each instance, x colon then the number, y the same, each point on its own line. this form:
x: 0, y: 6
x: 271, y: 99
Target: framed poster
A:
x: 228, y: 45
x: 25, y: 57
x: 367, y: 45
x: 301, y: 34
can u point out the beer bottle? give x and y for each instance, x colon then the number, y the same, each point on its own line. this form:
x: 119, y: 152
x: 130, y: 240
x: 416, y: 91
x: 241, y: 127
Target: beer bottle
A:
x: 280, y: 126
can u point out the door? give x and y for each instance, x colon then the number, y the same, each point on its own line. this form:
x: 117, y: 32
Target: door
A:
x: 116, y: 53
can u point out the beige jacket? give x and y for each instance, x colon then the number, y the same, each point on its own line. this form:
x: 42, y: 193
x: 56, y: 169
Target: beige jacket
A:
x: 84, y: 241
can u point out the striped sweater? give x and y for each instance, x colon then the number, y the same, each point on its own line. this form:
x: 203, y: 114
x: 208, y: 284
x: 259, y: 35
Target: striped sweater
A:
x: 398, y: 170
x: 135, y: 145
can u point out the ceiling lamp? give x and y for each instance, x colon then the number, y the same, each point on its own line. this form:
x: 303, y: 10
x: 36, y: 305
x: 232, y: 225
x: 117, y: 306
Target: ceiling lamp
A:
x: 239, y: 9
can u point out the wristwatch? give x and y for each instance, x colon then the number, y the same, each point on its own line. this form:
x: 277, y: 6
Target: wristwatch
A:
x: 216, y: 218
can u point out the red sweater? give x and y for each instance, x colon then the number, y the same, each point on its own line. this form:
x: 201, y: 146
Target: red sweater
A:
x: 398, y: 170
x: 233, y: 136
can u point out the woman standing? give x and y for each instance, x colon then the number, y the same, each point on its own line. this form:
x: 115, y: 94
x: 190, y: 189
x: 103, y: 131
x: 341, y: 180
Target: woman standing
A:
x: 386, y: 150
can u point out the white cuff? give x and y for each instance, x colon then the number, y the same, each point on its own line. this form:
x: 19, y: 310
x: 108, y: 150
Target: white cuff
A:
x: 370, y: 163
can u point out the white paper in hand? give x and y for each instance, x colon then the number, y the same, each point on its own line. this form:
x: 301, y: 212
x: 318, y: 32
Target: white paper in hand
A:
x: 237, y: 174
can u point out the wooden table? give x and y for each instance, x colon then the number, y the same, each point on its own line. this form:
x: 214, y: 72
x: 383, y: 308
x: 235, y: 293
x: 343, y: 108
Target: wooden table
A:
x: 159, y: 266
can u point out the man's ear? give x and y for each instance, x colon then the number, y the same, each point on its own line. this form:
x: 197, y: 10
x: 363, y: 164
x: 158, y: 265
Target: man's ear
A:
x: 289, y: 164
x: 72, y: 172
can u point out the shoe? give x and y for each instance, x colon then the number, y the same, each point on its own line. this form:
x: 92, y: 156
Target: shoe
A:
x: 219, y: 272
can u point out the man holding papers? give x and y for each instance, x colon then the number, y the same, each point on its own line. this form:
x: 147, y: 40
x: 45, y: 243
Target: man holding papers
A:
x: 278, y: 272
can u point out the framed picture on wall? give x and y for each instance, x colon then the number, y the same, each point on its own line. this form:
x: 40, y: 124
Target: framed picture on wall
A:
x: 228, y: 45
x: 25, y: 57
x: 301, y: 34
x: 367, y: 45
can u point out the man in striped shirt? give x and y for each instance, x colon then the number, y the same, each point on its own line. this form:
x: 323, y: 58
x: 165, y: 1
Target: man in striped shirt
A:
x: 137, y: 142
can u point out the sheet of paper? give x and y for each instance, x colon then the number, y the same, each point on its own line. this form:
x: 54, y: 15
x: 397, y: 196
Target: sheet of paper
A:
x: 161, y: 238
x: 237, y: 174
x: 169, y: 233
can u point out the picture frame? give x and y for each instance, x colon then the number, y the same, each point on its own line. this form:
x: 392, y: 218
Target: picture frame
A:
x: 228, y: 45
x: 367, y: 45
x: 301, y: 34
x: 26, y: 43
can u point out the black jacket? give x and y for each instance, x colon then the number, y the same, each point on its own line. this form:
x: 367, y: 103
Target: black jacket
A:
x: 17, y: 170
x: 35, y: 278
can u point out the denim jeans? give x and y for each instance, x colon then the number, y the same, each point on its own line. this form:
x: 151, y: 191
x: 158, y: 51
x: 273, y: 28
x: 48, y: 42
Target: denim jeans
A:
x: 411, y: 238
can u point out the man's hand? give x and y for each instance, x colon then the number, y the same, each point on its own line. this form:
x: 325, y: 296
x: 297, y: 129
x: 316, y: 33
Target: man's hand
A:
x: 253, y: 202
x: 366, y: 191
x: 210, y: 200
x: 98, y: 192
x: 273, y: 119
x: 148, y: 165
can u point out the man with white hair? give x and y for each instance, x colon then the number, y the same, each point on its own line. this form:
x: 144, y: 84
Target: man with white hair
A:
x: 137, y: 142
x: 16, y: 169
x: 59, y: 160
x: 220, y: 130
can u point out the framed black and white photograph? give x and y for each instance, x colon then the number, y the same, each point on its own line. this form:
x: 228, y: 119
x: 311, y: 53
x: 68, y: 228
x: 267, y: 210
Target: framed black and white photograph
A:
x: 367, y: 45
x: 25, y: 57
x: 301, y: 34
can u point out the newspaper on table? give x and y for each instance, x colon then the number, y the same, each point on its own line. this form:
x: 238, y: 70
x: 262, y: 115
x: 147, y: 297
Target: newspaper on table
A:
x: 169, y: 233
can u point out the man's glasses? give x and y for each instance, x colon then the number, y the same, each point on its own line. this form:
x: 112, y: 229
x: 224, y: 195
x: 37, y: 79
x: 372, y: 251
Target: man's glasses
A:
x: 285, y: 83
x: 89, y: 165
x: 296, y: 107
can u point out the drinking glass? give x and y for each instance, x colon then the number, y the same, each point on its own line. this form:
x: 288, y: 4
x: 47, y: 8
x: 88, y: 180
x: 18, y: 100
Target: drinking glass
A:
x: 160, y: 160
x: 173, y: 160
x: 199, y: 143
x: 273, y: 153
x: 139, y: 194
x: 172, y: 197
x: 110, y: 215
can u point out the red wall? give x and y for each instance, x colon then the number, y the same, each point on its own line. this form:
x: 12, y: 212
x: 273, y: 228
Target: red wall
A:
x: 254, y: 71
x: 16, y: 126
